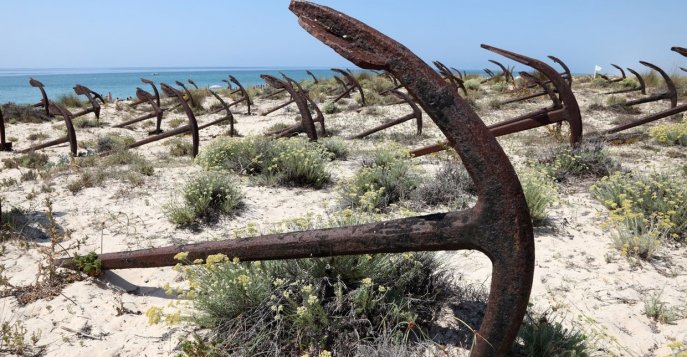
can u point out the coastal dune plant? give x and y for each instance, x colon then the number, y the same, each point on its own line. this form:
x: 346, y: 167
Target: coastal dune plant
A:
x: 670, y: 134
x: 540, y: 192
x: 644, y: 211
x: 204, y: 197
x: 451, y: 185
x: 588, y: 160
x: 387, y: 177
x: 70, y: 101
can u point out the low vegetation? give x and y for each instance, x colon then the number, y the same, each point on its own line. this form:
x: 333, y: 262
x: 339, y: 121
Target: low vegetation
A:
x: 670, y: 134
x: 540, y: 192
x: 70, y: 101
x: 588, y: 160
x: 450, y: 186
x: 387, y: 177
x: 288, y: 162
x: 644, y: 211
x: 205, y: 196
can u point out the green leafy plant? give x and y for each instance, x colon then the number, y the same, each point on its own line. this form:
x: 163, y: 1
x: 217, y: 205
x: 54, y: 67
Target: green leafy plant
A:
x: 89, y: 264
x: 540, y: 192
x: 388, y: 177
x: 204, y: 196
x: 670, y: 134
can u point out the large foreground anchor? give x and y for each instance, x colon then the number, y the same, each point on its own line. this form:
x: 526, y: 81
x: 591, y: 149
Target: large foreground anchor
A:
x: 4, y: 145
x: 416, y: 114
x: 56, y: 109
x: 669, y: 94
x: 565, y: 107
x: 499, y: 225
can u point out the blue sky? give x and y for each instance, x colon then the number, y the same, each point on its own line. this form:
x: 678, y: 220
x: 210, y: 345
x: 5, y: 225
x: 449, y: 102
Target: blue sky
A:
x: 243, y: 33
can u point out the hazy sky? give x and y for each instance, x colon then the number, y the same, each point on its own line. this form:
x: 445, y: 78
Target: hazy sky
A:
x: 244, y: 33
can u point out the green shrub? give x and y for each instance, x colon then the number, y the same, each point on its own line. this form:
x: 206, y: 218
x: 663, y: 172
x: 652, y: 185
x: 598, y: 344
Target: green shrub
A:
x: 276, y: 127
x: 86, y: 122
x: 89, y: 264
x: 70, y: 101
x: 32, y: 160
x: 88, y: 178
x: 540, y: 192
x: 645, y: 210
x: 670, y: 134
x: 590, y: 159
x: 178, y: 147
x: 330, y: 108
x: 113, y: 141
x: 658, y: 310
x: 175, y: 122
x: 451, y: 185
x: 284, y: 161
x: 335, y: 146
x: 615, y: 100
x: 546, y: 336
x: 387, y: 178
x: 293, y: 306
x: 14, y: 113
x: 204, y: 196
x: 37, y: 136
x: 472, y: 84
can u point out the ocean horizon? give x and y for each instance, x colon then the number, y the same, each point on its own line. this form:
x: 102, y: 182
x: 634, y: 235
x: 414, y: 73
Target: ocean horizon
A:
x: 122, y: 82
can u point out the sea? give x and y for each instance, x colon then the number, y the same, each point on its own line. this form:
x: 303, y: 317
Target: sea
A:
x: 122, y: 82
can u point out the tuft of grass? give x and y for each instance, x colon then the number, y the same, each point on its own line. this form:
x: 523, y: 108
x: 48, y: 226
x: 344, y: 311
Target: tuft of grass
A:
x: 203, y: 197
x: 14, y: 113
x: 546, y: 336
x: 658, y: 310
x: 388, y: 177
x: 37, y: 136
x: 70, y: 101
x: 86, y: 122
x: 276, y: 127
x: 540, y: 192
x: 330, y: 108
x: 451, y: 185
x: 175, y: 122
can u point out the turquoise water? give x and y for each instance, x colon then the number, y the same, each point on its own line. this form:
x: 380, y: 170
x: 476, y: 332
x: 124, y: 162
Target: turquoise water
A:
x: 122, y: 82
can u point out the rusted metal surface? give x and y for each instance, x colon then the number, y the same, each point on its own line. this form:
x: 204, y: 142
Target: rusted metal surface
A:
x: 319, y: 117
x: 460, y: 75
x: 499, y: 225
x: 245, y: 97
x: 44, y: 102
x: 650, y: 118
x: 618, y: 79
x: 307, y: 125
x: 456, y: 82
x: 507, y: 73
x: 669, y: 94
x: 227, y: 116
x: 416, y: 114
x: 352, y: 83
x: 4, y: 144
x: 191, y: 82
x: 155, y: 92
x: 156, y: 111
x: 565, y: 108
x: 56, y: 109
x: 680, y: 50
x: 189, y: 97
x: 640, y: 80
x: 92, y: 97
x: 313, y: 77
x: 192, y: 126
x: 566, y: 70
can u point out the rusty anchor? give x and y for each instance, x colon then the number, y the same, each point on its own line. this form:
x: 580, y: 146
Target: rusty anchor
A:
x: 640, y: 80
x: 416, y: 114
x: 352, y: 84
x: 682, y: 51
x: 565, y: 107
x: 188, y: 93
x: 650, y: 118
x: 298, y: 96
x: 669, y: 94
x: 155, y: 91
x: 56, y: 109
x: 227, y: 116
x: 319, y: 117
x: 44, y: 102
x: 505, y: 72
x: 192, y: 126
x: 313, y: 77
x: 455, y: 81
x: 245, y: 97
x: 617, y: 79
x: 565, y: 74
x: 191, y: 82
x: 93, y: 99
x: 4, y: 144
x: 499, y: 225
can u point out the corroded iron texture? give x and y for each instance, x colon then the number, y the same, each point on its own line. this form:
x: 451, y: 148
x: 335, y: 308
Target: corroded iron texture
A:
x: 499, y: 225
x: 669, y: 94
x: 4, y: 144
x: 416, y: 114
